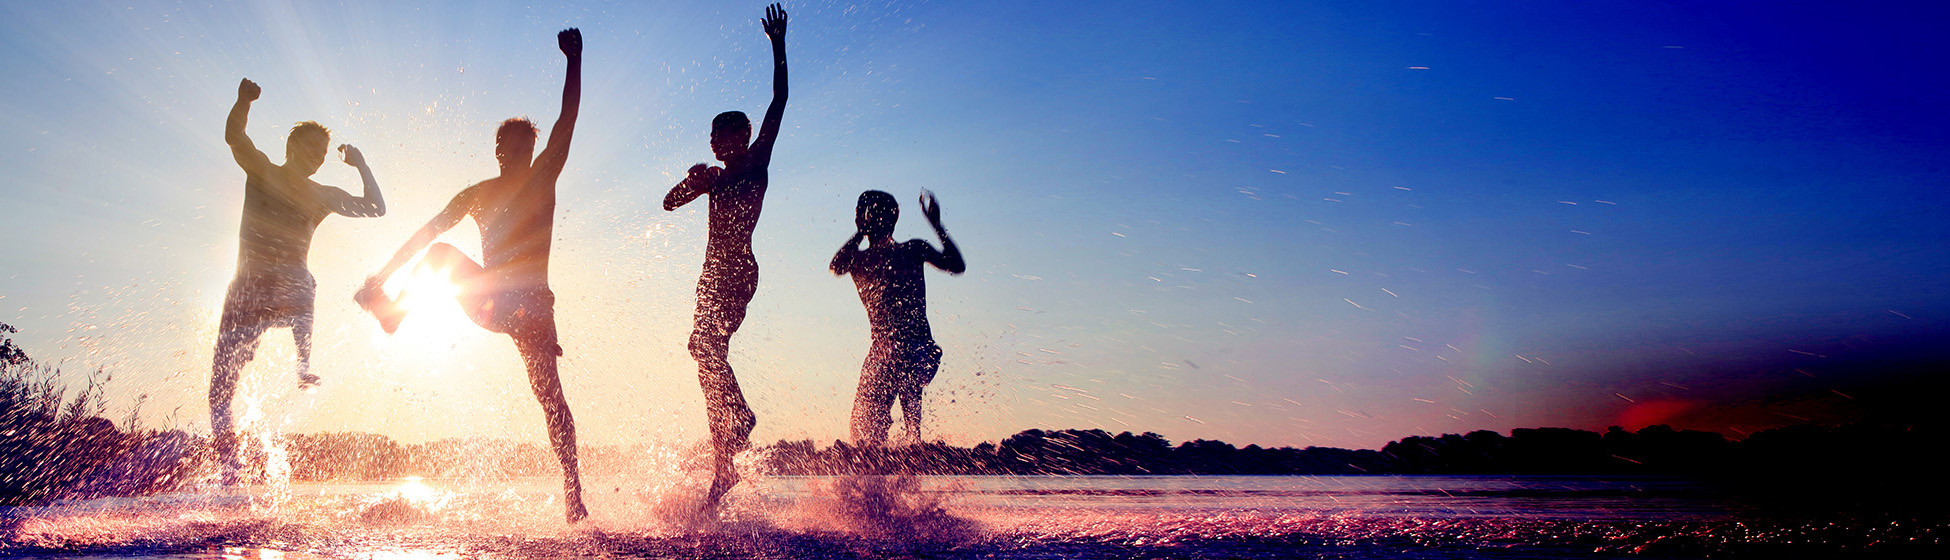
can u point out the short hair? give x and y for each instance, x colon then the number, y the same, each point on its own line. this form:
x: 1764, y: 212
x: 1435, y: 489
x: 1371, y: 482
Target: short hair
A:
x: 518, y: 128
x: 876, y: 212
x: 731, y: 119
x: 874, y: 198
x: 309, y: 128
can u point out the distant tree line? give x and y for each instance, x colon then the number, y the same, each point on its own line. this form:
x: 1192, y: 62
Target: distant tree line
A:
x: 1070, y: 452
x: 54, y: 445
x: 1861, y: 467
x: 1655, y: 450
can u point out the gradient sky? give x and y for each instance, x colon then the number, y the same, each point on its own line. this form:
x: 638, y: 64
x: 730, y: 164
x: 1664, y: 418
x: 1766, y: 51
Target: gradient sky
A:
x: 1283, y: 223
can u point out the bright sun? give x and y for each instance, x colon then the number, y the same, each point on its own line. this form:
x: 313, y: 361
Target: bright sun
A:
x: 432, y: 314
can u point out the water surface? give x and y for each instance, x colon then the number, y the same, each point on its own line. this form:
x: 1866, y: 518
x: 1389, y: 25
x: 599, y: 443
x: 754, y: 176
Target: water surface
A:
x: 963, y: 517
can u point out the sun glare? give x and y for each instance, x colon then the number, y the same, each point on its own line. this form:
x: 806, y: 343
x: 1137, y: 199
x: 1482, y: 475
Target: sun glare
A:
x: 414, y: 488
x: 432, y: 313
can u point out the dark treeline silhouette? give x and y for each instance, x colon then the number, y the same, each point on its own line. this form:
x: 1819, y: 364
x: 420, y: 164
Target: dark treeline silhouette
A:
x: 1869, y: 466
x: 1860, y: 450
x: 1070, y: 452
x: 55, y: 445
x: 1654, y: 450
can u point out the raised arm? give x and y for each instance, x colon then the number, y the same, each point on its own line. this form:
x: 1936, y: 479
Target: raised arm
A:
x: 843, y: 260
x: 949, y: 258
x: 768, y: 130
x: 456, y: 209
x: 372, y: 205
x: 557, y: 153
x: 241, y: 147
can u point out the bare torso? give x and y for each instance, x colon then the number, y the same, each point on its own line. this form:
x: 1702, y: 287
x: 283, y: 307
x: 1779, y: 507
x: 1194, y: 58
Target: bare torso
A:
x: 281, y: 212
x: 516, y: 217
x: 736, y: 201
x: 893, y: 290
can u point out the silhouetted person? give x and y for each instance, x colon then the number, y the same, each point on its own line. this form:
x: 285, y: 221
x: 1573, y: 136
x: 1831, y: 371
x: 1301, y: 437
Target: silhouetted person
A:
x: 904, y: 356
x: 273, y: 287
x: 509, y: 293
x: 730, y: 271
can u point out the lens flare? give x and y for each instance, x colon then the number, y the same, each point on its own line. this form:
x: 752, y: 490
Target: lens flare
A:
x: 414, y: 488
x: 433, y: 314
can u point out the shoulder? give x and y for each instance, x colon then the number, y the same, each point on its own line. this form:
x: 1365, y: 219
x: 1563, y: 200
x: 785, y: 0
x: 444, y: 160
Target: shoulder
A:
x: 321, y: 190
x: 918, y: 249
x: 477, y: 190
x: 252, y: 160
x: 257, y: 172
x: 469, y: 197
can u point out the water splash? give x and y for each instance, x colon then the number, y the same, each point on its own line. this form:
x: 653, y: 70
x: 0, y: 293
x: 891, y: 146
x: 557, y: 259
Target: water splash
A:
x: 881, y: 507
x: 979, y: 517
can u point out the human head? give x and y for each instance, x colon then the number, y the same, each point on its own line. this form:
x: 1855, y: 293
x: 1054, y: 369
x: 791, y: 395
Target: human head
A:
x: 876, y: 213
x: 514, y: 144
x: 731, y: 135
x: 304, y: 149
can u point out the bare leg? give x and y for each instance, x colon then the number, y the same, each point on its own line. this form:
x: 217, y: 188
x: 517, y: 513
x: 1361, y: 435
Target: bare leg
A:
x: 874, y: 400
x: 723, y: 292
x: 301, y: 337
x: 910, y: 399
x: 914, y: 379
x: 542, y: 377
x: 475, y: 300
x: 447, y: 258
x: 731, y: 419
x: 235, y: 347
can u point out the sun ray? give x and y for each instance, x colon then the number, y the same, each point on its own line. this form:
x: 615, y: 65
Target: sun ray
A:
x: 433, y: 312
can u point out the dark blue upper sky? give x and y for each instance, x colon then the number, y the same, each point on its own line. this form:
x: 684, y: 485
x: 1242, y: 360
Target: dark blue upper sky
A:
x: 1272, y: 222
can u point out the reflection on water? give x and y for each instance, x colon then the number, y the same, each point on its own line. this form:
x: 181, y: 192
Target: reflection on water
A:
x: 1537, y: 498
x: 1002, y: 517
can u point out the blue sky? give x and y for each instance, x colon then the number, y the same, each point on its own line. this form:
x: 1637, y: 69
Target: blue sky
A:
x: 1276, y: 223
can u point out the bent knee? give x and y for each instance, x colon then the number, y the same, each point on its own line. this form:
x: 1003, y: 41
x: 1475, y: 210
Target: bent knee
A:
x: 705, y: 344
x: 442, y: 251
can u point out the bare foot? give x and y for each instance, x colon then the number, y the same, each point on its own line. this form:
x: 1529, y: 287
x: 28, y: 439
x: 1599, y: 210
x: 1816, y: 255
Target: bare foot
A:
x: 723, y: 478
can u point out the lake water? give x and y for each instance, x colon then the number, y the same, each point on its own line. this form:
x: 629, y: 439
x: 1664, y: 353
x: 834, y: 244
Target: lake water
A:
x: 965, y: 517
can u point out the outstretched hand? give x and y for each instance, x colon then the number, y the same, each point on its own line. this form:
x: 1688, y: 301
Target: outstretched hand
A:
x: 570, y: 40
x: 931, y: 208
x: 247, y: 90
x: 351, y: 156
x: 774, y: 22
